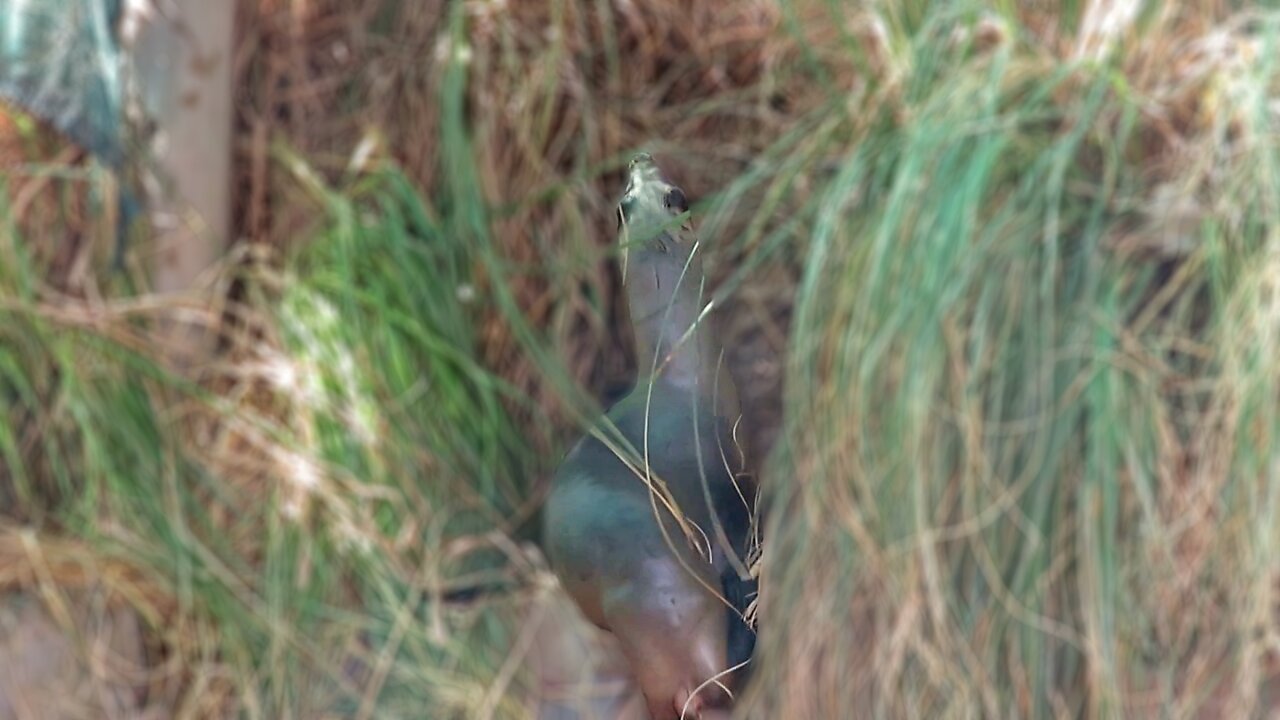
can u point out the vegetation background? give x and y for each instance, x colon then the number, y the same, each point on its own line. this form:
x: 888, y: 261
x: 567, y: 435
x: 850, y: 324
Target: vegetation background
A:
x: 1002, y: 283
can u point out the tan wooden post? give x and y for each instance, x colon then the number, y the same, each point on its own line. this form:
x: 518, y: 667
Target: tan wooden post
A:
x: 184, y: 62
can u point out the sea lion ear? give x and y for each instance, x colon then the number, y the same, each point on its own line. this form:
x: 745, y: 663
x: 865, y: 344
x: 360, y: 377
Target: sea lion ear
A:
x: 675, y: 200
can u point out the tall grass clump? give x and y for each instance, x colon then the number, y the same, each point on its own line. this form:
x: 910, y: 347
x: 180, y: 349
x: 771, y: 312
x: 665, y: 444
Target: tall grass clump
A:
x: 1030, y: 464
x: 290, y: 523
x: 401, y: 443
x: 92, y: 511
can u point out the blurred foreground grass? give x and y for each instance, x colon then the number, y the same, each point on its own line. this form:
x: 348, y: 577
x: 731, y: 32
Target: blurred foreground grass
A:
x: 1025, y: 263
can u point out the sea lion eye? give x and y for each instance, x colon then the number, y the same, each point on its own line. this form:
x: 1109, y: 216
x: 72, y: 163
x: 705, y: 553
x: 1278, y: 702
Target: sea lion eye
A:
x: 676, y: 200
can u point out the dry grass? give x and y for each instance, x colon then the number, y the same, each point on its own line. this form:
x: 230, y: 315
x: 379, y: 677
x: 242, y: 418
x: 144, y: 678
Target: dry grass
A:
x: 142, y: 655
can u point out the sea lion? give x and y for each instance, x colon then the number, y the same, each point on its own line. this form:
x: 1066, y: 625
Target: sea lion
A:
x: 672, y: 592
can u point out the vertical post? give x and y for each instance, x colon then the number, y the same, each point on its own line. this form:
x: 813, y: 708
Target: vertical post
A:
x: 184, y: 63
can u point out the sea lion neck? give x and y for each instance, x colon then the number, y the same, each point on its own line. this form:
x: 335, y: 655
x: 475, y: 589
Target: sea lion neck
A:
x: 666, y: 298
